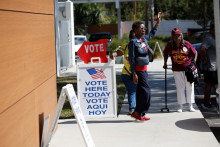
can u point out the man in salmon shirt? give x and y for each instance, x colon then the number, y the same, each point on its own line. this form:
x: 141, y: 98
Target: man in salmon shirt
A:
x: 182, y: 54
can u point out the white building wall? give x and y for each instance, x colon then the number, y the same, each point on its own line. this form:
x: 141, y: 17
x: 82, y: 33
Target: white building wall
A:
x: 165, y: 26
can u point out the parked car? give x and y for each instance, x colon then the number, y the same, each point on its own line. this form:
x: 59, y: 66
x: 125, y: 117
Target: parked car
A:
x: 201, y: 33
x: 101, y: 35
x: 192, y: 31
x: 79, y: 39
x: 197, y: 31
x: 197, y: 46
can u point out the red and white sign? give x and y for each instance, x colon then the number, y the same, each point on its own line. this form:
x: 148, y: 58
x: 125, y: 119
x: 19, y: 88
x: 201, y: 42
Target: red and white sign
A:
x: 90, y: 50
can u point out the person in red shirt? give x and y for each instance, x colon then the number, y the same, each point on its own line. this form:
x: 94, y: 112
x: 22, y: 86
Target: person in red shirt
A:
x: 182, y: 54
x: 138, y: 59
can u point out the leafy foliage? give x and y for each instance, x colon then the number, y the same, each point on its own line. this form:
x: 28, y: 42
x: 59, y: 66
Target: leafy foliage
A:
x: 105, y: 13
x: 162, y: 40
x: 89, y: 13
x: 199, y: 10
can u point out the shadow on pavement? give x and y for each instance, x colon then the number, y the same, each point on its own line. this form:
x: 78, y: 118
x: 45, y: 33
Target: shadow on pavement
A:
x: 193, y: 124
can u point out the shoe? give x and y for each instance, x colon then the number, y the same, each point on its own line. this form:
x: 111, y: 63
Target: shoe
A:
x: 192, y: 109
x: 137, y: 116
x: 146, y: 118
x: 206, y: 107
x: 180, y: 109
x: 130, y: 112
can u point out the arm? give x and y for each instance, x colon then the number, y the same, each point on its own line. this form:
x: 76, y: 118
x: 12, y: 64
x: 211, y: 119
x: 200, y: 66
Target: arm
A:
x: 194, y: 52
x: 131, y: 59
x: 119, y: 52
x: 202, y: 52
x: 154, y: 30
x: 131, y: 56
x: 196, y: 55
x: 166, y: 53
x: 158, y: 20
x: 116, y: 54
x: 165, y: 61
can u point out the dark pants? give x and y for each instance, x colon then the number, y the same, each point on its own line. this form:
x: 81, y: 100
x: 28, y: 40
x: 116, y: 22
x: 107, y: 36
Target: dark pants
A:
x: 211, y: 77
x: 143, y: 93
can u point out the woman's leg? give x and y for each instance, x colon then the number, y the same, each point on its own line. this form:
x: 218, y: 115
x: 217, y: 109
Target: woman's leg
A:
x: 179, y: 77
x: 190, y: 97
x: 143, y: 93
x: 131, y: 91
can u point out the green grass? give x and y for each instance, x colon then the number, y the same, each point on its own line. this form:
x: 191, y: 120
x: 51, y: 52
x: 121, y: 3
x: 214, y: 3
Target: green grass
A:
x: 66, y: 112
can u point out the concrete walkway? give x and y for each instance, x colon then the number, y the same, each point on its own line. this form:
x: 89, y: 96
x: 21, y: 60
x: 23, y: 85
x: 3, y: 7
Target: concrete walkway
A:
x: 186, y: 129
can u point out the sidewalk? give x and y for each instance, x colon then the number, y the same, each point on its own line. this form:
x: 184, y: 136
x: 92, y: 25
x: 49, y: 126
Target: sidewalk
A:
x: 163, y: 130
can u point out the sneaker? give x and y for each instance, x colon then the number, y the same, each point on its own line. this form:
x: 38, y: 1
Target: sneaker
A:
x: 206, y: 107
x: 146, y: 118
x: 180, y: 108
x: 130, y: 112
x: 192, y: 109
x: 137, y: 116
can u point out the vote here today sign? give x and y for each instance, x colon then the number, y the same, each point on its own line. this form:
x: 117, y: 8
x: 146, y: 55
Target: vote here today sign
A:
x: 96, y: 86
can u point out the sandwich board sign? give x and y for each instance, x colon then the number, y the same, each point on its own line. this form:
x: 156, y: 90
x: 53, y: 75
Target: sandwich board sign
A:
x: 96, y: 88
x: 96, y: 83
x: 67, y: 91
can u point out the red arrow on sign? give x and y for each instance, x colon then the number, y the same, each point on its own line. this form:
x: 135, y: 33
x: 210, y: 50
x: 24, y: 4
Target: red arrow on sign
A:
x: 89, y: 50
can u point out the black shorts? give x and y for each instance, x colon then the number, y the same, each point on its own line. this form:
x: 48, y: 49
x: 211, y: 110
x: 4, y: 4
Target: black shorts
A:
x: 210, y: 77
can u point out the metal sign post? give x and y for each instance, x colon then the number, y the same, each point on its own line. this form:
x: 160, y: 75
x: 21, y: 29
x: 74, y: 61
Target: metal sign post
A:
x: 157, y: 44
x: 68, y: 91
x: 217, y: 38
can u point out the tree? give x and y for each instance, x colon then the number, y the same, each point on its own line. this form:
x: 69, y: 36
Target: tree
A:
x: 89, y: 13
x: 199, y: 10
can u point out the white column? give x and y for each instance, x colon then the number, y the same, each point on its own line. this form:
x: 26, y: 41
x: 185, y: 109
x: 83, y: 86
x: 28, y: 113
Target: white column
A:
x: 70, y: 16
x: 117, y: 5
x: 217, y: 36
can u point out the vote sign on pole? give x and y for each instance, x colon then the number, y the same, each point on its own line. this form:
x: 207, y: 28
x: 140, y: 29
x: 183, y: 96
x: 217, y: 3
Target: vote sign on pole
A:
x: 90, y: 50
x: 96, y: 82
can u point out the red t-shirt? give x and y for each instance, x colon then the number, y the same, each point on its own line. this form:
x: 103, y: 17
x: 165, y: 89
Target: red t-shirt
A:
x: 141, y: 68
x: 181, y: 57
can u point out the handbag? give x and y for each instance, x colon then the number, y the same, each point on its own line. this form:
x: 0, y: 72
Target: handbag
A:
x: 192, y: 73
x: 144, y: 60
x: 151, y: 55
x: 141, y: 61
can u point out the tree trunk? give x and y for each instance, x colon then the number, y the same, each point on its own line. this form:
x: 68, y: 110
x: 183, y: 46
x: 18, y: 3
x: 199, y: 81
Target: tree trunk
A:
x: 146, y: 16
x: 152, y: 13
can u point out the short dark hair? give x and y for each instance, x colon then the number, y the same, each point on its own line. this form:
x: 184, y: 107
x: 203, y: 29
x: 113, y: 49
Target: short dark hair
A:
x: 131, y: 34
x: 136, y: 24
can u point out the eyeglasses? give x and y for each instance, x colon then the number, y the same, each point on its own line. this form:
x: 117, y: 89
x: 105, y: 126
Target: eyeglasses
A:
x: 142, y: 28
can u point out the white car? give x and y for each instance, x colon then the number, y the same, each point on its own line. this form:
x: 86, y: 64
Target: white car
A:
x: 79, y: 39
